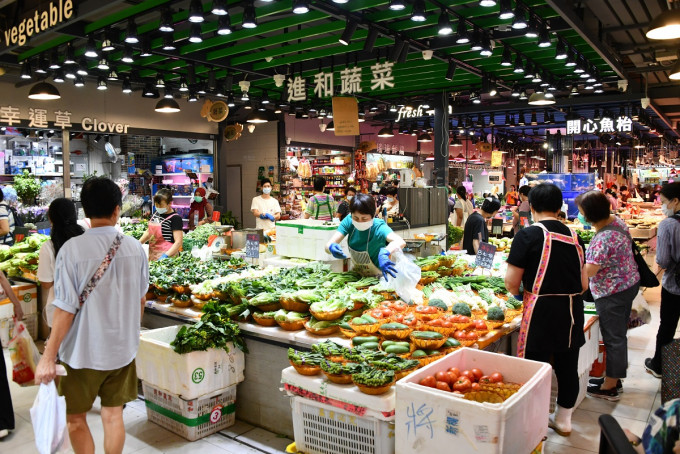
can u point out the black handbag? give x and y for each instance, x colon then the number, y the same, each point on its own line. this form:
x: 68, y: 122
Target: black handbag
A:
x: 647, y: 277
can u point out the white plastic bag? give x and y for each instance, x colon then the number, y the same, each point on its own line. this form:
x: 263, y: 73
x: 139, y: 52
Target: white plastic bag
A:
x: 24, y: 354
x: 408, y: 276
x: 48, y: 415
x: 639, y: 314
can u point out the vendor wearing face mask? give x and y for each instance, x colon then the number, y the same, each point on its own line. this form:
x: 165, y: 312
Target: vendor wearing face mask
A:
x: 343, y: 208
x: 165, y: 234
x: 265, y: 208
x: 200, y: 210
x: 391, y: 202
x: 370, y: 240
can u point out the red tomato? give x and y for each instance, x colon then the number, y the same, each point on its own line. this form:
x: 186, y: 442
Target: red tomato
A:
x: 471, y: 335
x: 435, y: 322
x: 443, y: 386
x: 454, y: 370
x: 480, y: 325
x: 485, y: 379
x: 428, y: 381
x: 464, y: 319
x: 453, y: 376
x: 459, y: 335
x: 386, y: 313
x: 442, y: 376
x: 458, y: 392
x: 496, y: 377
x: 477, y: 373
x: 463, y: 384
x: 399, y: 318
x: 475, y: 387
x: 446, y: 324
x: 468, y: 374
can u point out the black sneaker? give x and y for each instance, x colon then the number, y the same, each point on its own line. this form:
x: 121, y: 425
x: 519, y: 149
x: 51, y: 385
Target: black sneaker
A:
x: 649, y: 365
x: 598, y: 382
x: 611, y: 395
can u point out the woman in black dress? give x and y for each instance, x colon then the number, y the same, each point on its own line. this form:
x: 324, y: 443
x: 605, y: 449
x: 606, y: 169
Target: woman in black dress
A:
x: 547, y: 258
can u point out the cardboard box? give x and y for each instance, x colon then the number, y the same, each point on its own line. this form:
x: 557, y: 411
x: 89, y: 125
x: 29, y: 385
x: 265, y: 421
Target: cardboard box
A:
x: 28, y: 296
x: 428, y: 419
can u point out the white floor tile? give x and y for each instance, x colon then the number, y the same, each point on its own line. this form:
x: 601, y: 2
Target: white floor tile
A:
x: 265, y: 440
x: 555, y: 448
x: 237, y: 429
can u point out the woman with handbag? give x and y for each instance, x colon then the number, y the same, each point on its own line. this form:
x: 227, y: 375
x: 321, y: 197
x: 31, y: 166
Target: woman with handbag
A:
x: 668, y: 258
x: 614, y: 283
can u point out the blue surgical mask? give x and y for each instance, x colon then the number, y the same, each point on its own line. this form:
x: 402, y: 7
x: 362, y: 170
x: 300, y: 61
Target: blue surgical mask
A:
x: 582, y: 220
x: 266, y: 190
x: 161, y: 210
x: 390, y: 199
x: 349, y: 197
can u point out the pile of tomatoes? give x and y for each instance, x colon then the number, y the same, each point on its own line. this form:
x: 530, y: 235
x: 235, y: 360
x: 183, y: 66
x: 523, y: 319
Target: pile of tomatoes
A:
x: 453, y: 380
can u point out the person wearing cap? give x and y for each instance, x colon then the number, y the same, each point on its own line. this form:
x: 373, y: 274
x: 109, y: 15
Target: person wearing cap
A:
x: 200, y: 210
x: 476, y: 230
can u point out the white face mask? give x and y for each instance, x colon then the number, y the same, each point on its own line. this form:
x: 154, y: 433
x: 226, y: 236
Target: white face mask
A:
x: 390, y: 199
x: 161, y: 210
x: 266, y: 190
x: 668, y: 212
x: 362, y: 226
x: 350, y: 197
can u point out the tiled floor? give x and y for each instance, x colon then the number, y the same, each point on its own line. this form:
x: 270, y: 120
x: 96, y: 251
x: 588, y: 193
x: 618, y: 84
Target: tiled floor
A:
x: 641, y: 396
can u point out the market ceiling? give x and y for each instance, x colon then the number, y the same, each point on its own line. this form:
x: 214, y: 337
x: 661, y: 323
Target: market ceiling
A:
x: 283, y: 42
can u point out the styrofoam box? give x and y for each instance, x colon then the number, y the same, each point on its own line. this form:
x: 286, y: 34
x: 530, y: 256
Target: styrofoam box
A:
x: 324, y: 429
x: 428, y: 418
x: 189, y: 375
x: 28, y: 297
x: 286, y: 262
x: 304, y: 239
x: 193, y: 418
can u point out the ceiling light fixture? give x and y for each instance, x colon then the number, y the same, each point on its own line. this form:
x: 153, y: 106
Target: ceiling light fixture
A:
x: 419, y: 14
x: 249, y: 18
x: 168, y: 93
x: 476, y: 40
x: 519, y: 22
x: 44, y: 91
x: 487, y: 3
x: 350, y: 28
x: 183, y: 87
x: 113, y: 75
x: 560, y: 50
x: 107, y: 44
x: 70, y: 58
x: 127, y: 86
x: 396, y: 5
x: 519, y: 66
x: 462, y: 36
x: 127, y: 55
x: 544, y: 38
x: 665, y: 26
x: 450, y: 70
x: 506, y: 60
x: 54, y: 60
x: 131, y: 33
x: 168, y: 43
x: 386, y: 132
x: 532, y: 27
x: 41, y: 67
x: 369, y: 43
x: 167, y: 24
x: 101, y: 83
x: 103, y: 65
x: 146, y: 47
x: 160, y: 81
x: 256, y: 117
x: 26, y: 72
x: 195, y: 35
x: 82, y: 68
x: 219, y: 8
x: 196, y: 12
x: 79, y: 81
x: 224, y: 26
x: 486, y: 50
x: 444, y: 27
x: 91, y: 48
x: 167, y: 106
x: 58, y: 76
x: 300, y: 6
x: 192, y: 97
x: 424, y: 137
x: 675, y: 71
x: 506, y: 10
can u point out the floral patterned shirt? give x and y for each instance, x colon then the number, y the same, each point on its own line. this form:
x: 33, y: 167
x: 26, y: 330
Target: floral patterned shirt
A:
x: 613, y: 251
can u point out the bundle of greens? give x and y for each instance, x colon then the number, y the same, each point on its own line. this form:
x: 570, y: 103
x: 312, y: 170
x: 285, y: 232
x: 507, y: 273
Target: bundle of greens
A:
x: 137, y: 229
x: 214, y: 330
x: 329, y: 348
x: 198, y: 237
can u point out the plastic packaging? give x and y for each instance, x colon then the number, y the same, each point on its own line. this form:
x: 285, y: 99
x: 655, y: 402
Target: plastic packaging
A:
x: 408, y: 276
x: 48, y: 415
x: 25, y: 355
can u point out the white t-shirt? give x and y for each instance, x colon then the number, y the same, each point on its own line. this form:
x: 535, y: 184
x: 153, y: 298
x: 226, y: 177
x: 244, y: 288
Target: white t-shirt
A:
x: 269, y: 205
x: 46, y: 261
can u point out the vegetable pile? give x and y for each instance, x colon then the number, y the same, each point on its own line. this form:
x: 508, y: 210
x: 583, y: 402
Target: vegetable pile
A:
x: 198, y: 237
x: 214, y: 330
x: 21, y: 259
x: 136, y: 229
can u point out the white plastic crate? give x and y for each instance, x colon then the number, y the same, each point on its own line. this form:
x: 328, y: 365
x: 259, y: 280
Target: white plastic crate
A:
x: 428, y: 419
x: 189, y: 375
x: 194, y: 418
x: 324, y: 429
x: 304, y: 239
x: 7, y: 326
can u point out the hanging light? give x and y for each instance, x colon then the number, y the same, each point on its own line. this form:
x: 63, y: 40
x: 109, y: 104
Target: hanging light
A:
x: 91, y: 48
x: 149, y: 91
x: 395, y: 5
x: 350, y: 28
x: 487, y: 3
x: 462, y: 36
x: 544, y: 38
x: 300, y: 7
x: 146, y: 47
x: 183, y: 87
x: 167, y: 24
x: 419, y: 14
x: 160, y: 81
x: 506, y: 60
x: 167, y: 106
x: 560, y: 50
x: 103, y: 64
x: 79, y: 81
x: 230, y: 100
x: 168, y: 93
x: 519, y: 22
x: 571, y: 59
x: 450, y: 70
x: 127, y: 86
x: 196, y: 12
x: 58, y: 76
x: 476, y: 40
x: 107, y: 44
x: 506, y: 10
x: 195, y: 34
x: 26, y: 72
x: 224, y: 26
x: 331, y: 126
x: 675, y: 71
x: 424, y: 137
x: 249, y: 19
x: 82, y: 68
x: 256, y: 117
x: 70, y: 71
x: 192, y: 97
x: 444, y: 27
x: 127, y: 55
x: 168, y: 43
x: 219, y: 8
x: 515, y: 91
x: 131, y: 32
x: 486, y: 51
x: 386, y: 132
x: 665, y: 26
x: 101, y: 83
x: 113, y: 75
x: 44, y: 91
x: 519, y: 66
x: 54, y: 60
x: 532, y: 27
x: 523, y: 96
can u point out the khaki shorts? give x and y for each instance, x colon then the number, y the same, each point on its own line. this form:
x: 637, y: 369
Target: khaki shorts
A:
x: 82, y: 386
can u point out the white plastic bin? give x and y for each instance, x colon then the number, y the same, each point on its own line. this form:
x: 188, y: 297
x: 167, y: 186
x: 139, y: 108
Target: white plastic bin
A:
x: 430, y: 420
x: 192, y: 418
x: 190, y: 375
x: 304, y: 239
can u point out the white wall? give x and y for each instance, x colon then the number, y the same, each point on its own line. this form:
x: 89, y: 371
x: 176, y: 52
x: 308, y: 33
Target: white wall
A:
x: 251, y: 151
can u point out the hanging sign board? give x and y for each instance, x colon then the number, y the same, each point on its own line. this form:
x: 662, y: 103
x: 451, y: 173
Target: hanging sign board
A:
x: 346, y: 116
x: 496, y: 158
x: 253, y: 245
x: 485, y: 255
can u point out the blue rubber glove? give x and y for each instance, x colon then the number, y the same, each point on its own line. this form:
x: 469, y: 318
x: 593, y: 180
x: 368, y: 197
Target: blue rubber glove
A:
x: 385, y: 264
x: 263, y: 216
x: 336, y: 251
x: 164, y: 256
x: 270, y: 217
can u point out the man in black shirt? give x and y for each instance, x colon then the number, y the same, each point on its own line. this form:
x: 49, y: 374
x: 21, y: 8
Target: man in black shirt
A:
x: 476, y: 225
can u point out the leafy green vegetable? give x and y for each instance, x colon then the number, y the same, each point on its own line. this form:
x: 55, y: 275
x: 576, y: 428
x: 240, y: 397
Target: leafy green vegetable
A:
x: 214, y: 330
x: 304, y: 358
x: 375, y: 377
x: 136, y: 230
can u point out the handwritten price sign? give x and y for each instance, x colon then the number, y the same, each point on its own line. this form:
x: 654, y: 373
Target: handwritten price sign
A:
x: 485, y: 255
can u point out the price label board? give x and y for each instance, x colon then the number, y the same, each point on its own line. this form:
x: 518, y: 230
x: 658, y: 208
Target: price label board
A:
x: 485, y: 255
x: 253, y: 245
x: 497, y: 227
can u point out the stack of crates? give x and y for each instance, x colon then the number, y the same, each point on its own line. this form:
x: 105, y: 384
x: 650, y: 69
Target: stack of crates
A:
x: 194, y: 394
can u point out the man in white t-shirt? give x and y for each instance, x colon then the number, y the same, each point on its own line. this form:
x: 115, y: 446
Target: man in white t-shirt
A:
x: 265, y: 208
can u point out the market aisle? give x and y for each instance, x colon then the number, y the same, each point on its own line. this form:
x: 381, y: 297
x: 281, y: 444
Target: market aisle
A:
x: 641, y: 396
